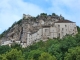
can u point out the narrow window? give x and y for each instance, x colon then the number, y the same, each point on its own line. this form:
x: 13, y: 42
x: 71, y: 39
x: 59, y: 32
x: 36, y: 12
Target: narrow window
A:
x: 58, y: 25
x: 65, y: 25
x: 62, y: 29
x: 59, y: 35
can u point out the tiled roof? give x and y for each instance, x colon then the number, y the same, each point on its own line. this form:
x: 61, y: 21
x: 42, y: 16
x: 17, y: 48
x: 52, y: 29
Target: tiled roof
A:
x: 64, y: 21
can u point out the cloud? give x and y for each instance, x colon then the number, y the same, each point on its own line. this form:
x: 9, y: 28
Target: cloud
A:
x: 68, y: 8
x: 11, y: 11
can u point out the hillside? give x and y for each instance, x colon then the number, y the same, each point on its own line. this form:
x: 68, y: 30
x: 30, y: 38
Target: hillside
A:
x: 28, y: 23
x: 67, y: 48
x: 18, y: 25
x: 33, y: 29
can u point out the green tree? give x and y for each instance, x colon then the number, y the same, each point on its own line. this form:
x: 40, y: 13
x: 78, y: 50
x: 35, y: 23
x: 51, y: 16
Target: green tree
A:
x: 14, y: 54
x: 34, y: 54
x: 43, y: 14
x: 47, y: 56
x: 78, y: 28
x: 55, y: 50
x: 77, y: 38
x: 67, y: 42
x: 16, y: 46
x: 53, y: 14
x: 73, y: 54
x: 4, y: 49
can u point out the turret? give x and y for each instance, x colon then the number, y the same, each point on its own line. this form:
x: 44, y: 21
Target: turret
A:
x: 26, y: 16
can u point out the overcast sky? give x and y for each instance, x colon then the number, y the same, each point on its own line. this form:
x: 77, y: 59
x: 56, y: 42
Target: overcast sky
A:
x: 12, y: 10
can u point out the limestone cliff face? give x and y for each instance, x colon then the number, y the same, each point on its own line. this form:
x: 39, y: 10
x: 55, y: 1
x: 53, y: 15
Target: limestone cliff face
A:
x: 18, y: 32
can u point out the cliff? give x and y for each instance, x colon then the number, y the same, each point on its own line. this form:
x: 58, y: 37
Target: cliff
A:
x: 27, y: 22
x: 29, y: 25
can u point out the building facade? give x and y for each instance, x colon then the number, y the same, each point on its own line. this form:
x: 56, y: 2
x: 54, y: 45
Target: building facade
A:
x: 59, y: 30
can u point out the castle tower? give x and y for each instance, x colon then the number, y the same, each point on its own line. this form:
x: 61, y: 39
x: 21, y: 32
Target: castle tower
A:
x: 26, y: 16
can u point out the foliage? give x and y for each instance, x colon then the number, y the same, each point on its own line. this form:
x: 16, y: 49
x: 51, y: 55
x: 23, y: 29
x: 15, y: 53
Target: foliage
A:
x: 18, y: 22
x: 47, y: 56
x: 34, y: 54
x: 16, y: 46
x: 73, y: 54
x: 14, y: 54
x: 43, y: 14
x: 78, y: 28
x: 53, y: 14
x: 3, y: 34
x: 4, y: 49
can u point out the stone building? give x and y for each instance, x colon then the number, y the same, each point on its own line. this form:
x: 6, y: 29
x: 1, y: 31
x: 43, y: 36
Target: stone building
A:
x: 31, y: 31
x: 60, y: 29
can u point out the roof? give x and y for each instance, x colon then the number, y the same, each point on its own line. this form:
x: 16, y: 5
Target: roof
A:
x: 46, y: 26
x: 64, y: 21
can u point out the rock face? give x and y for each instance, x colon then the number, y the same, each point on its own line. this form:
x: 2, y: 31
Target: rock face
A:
x: 32, y: 29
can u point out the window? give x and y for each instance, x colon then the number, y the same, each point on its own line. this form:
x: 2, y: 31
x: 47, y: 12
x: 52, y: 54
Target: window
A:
x: 35, y: 40
x: 66, y: 34
x: 47, y: 37
x: 46, y: 30
x: 59, y: 35
x: 58, y: 25
x: 65, y: 25
x: 73, y: 30
x: 12, y: 36
x: 62, y: 34
x: 62, y: 29
x: 72, y: 33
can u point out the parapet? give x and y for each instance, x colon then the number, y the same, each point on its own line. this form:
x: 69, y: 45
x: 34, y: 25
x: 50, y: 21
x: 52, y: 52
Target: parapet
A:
x: 26, y: 16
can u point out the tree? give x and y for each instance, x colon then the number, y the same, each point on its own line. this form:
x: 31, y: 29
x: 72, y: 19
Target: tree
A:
x: 34, y: 54
x: 78, y: 28
x: 68, y: 41
x: 16, y: 46
x: 18, y: 22
x: 4, y: 49
x: 46, y: 56
x: 55, y: 50
x: 73, y: 54
x: 14, y: 54
x: 53, y: 14
x: 43, y: 14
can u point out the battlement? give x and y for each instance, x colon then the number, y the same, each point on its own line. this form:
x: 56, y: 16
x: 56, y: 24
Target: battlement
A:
x: 26, y: 16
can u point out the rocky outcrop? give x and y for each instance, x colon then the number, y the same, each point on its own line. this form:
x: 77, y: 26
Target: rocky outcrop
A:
x: 19, y: 30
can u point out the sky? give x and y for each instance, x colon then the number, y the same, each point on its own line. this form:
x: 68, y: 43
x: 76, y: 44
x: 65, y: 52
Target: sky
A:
x: 13, y: 10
